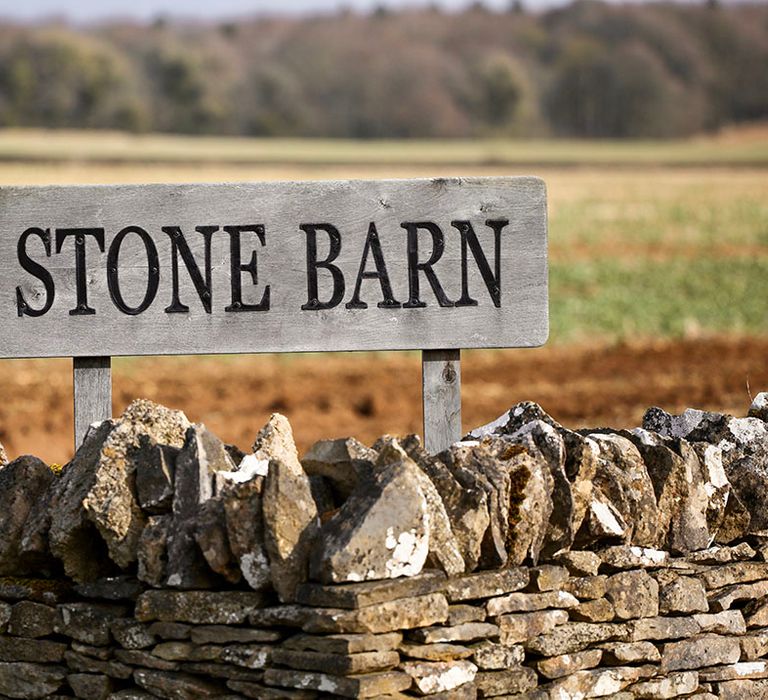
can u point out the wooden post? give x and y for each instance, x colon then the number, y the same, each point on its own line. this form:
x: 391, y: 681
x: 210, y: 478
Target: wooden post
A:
x: 93, y: 393
x: 441, y: 386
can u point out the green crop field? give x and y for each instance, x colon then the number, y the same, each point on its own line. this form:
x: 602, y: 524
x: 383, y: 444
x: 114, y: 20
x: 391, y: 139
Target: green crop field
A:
x: 663, y: 238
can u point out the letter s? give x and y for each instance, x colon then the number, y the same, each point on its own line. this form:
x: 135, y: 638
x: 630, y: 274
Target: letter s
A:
x: 36, y: 270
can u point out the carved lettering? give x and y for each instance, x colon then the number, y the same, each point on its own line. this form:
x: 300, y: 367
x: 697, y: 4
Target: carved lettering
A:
x: 313, y: 264
x: 373, y: 245
x: 414, y: 266
x: 81, y: 282
x: 153, y: 271
x: 492, y: 279
x: 37, y: 270
x: 179, y: 246
x: 237, y: 268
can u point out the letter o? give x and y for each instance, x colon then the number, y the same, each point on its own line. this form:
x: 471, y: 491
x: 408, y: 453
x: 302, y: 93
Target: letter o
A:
x: 153, y: 271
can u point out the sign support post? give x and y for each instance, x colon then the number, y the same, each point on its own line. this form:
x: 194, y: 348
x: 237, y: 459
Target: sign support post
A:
x: 435, y: 265
x: 441, y: 394
x: 93, y: 393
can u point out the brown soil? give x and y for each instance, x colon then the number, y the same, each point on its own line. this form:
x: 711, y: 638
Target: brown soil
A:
x: 366, y: 395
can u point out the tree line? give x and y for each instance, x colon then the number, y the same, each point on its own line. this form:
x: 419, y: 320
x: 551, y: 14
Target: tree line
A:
x: 589, y: 69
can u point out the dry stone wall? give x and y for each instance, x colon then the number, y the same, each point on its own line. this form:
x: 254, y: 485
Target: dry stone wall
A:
x: 527, y: 561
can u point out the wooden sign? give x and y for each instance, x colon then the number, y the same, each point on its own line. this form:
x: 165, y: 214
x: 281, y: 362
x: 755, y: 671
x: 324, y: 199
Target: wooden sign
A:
x: 443, y: 264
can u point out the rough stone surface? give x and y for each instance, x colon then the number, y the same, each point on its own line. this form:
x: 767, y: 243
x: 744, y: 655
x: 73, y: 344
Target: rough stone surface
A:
x: 465, y: 501
x: 716, y: 484
x: 289, y: 510
x: 439, y: 676
x: 633, y: 594
x: 487, y: 584
x: 152, y: 552
x: 700, y: 651
x: 562, y: 527
x: 595, y: 683
x: 467, y: 632
x: 409, y: 613
x: 756, y: 612
x: 740, y: 670
x: 724, y: 598
x: 90, y: 686
x: 290, y: 526
x: 343, y: 462
x: 743, y: 443
x: 155, y: 475
x: 575, y: 636
x: 620, y: 653
x: 674, y: 685
x: 743, y: 690
x: 661, y: 628
x: 359, y: 595
x: 29, y: 619
x: 111, y: 502
x: 600, y: 610
x: 344, y: 643
x: 27, y: 680
x: 678, y: 481
x: 491, y: 656
x: 442, y: 651
x: 338, y: 664
x: 459, y: 614
x: 522, y: 626
x: 130, y: 634
x: 363, y: 686
x: 88, y: 622
x: 619, y: 619
x: 625, y: 557
x: 31, y: 650
x: 444, y: 548
x: 382, y: 531
x: 529, y: 602
x: 754, y: 644
x: 197, y: 607
x: 759, y: 407
x: 73, y: 538
x: 683, y: 595
x: 579, y: 563
x: 548, y: 577
x: 243, y: 514
x: 587, y: 587
x: 602, y: 523
x: 166, y: 684
x: 210, y: 533
x: 23, y: 483
x: 507, y: 682
x: 201, y: 458
x: 559, y: 666
x: 623, y: 477
x: 725, y: 622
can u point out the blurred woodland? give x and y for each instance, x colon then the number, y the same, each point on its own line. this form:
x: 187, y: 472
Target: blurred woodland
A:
x: 588, y: 69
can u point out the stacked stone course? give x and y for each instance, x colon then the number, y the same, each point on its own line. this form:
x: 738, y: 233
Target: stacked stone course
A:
x: 622, y: 623
x: 527, y: 561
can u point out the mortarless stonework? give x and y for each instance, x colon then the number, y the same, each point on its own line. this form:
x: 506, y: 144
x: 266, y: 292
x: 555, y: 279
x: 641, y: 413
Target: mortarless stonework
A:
x: 598, y: 564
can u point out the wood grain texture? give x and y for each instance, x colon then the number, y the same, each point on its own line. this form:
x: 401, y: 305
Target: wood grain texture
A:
x: 93, y: 393
x: 520, y: 321
x: 441, y: 394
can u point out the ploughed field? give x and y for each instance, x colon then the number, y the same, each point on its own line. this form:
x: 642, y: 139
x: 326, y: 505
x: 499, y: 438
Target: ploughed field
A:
x: 368, y: 394
x: 658, y: 287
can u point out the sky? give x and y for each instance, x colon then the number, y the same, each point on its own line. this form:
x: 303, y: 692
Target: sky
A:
x: 93, y: 10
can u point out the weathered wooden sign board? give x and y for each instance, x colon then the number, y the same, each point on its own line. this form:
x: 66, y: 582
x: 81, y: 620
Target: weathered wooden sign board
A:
x: 433, y: 265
